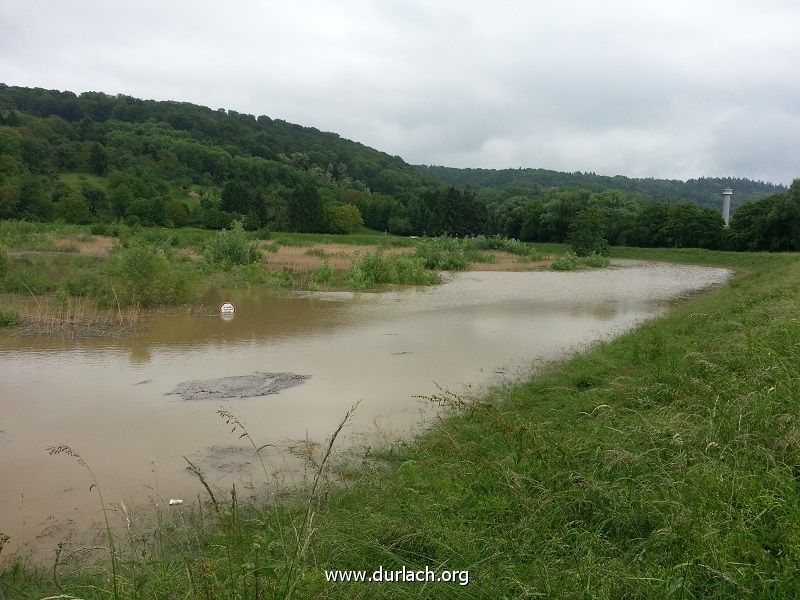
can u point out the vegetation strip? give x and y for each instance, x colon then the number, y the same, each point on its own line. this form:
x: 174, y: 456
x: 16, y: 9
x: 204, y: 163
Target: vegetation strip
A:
x: 661, y: 464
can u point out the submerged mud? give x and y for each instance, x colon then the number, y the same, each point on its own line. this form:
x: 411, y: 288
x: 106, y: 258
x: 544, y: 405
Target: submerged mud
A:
x: 238, y: 386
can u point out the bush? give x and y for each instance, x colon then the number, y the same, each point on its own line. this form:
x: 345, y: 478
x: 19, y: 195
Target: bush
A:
x: 374, y: 268
x: 597, y: 261
x: 144, y: 275
x: 411, y: 271
x: 231, y: 247
x: 321, y: 275
x: 496, y: 242
x: 448, y: 254
x: 9, y: 317
x: 567, y: 262
x: 283, y: 278
x: 83, y: 284
x: 3, y: 261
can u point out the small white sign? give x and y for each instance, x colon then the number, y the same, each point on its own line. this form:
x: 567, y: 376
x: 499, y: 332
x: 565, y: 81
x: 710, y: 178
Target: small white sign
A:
x: 226, y: 309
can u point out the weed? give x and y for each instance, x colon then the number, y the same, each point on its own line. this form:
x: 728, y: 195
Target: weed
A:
x: 567, y: 262
x: 597, y: 261
x: 321, y: 275
x: 9, y: 317
x: 282, y: 278
x: 67, y: 450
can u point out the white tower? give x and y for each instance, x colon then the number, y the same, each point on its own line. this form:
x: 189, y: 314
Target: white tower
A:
x: 726, y: 205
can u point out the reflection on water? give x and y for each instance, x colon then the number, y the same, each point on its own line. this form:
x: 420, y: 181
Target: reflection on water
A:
x: 106, y: 397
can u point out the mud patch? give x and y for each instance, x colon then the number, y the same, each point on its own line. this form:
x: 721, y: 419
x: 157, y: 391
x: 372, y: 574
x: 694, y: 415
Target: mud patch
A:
x: 239, y: 386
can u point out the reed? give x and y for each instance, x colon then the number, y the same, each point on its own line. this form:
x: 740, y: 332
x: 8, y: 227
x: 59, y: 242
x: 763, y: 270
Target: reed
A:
x: 76, y: 316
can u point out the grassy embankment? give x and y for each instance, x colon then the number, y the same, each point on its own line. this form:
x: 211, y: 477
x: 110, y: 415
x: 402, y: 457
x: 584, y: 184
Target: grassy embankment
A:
x: 663, y: 464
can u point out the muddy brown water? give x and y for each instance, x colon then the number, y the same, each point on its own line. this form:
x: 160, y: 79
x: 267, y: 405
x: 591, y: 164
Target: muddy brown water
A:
x: 107, y: 397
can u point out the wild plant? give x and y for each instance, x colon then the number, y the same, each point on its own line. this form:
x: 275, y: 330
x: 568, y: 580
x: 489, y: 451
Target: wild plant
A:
x: 569, y: 261
x: 53, y: 450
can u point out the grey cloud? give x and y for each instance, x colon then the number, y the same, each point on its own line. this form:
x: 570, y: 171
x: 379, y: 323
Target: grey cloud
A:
x: 672, y: 89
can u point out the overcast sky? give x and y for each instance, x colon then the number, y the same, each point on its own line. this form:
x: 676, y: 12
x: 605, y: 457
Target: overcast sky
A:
x: 673, y: 88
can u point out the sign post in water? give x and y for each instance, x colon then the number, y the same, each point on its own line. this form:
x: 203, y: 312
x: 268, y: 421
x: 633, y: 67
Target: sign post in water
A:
x: 227, y: 310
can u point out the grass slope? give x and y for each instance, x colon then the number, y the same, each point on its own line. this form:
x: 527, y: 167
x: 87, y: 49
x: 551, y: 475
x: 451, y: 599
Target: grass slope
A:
x: 662, y: 464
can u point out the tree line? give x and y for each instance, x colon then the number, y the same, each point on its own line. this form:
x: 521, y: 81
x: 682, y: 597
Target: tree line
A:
x: 98, y: 158
x: 703, y: 191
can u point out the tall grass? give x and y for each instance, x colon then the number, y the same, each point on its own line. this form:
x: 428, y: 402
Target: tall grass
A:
x: 76, y: 316
x: 449, y: 254
x: 67, y: 450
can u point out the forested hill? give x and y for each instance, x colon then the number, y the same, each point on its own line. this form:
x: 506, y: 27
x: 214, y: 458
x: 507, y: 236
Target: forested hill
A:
x: 704, y: 192
x: 104, y: 118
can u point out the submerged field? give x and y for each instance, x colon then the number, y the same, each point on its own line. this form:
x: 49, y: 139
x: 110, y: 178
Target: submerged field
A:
x: 662, y: 464
x: 74, y: 281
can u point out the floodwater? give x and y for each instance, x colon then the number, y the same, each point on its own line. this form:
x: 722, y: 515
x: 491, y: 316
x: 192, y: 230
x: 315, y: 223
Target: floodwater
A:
x: 107, y: 399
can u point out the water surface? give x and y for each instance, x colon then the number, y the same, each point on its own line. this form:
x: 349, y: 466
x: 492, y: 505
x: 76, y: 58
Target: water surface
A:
x: 106, y: 397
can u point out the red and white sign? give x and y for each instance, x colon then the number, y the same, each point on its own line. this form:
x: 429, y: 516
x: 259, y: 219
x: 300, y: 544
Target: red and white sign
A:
x: 227, y: 308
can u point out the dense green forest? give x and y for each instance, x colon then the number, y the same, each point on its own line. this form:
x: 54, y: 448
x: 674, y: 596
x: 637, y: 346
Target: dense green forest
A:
x: 97, y: 158
x: 705, y: 191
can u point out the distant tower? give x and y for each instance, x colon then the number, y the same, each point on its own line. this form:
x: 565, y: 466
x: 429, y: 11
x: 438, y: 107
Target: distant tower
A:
x: 726, y: 205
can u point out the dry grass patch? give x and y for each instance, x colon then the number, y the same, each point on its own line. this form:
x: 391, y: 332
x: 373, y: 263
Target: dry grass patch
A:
x: 96, y: 245
x: 340, y: 257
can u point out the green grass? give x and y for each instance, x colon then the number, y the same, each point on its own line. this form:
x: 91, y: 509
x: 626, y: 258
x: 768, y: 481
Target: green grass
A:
x: 662, y: 464
x: 366, y: 237
x: 22, y: 235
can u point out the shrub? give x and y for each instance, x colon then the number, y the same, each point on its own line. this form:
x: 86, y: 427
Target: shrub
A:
x: 83, y: 284
x: 596, y: 260
x: 231, y: 247
x: 374, y: 268
x: 263, y: 233
x: 567, y: 262
x: 411, y: 271
x: 496, y: 242
x: 283, y: 278
x: 448, y: 254
x: 3, y: 261
x: 144, y: 275
x: 9, y: 317
x: 321, y: 275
